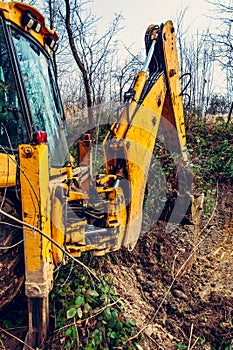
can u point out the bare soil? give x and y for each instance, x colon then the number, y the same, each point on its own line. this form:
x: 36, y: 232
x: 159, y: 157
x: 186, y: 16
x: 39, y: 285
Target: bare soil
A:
x: 177, y: 283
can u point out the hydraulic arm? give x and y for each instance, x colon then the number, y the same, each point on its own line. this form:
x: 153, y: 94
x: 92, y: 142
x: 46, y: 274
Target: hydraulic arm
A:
x: 154, y: 100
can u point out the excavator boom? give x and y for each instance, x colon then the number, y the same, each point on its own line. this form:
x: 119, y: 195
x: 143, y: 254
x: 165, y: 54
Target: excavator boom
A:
x: 154, y: 100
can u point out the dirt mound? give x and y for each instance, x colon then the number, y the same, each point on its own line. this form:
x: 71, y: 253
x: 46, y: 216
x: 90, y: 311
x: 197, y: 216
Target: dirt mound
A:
x: 178, y: 282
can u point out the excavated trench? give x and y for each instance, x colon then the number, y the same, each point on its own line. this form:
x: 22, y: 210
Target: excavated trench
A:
x: 178, y: 283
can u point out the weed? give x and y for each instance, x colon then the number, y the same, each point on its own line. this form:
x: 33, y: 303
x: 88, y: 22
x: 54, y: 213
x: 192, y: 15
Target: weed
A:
x: 212, y: 151
x: 89, y: 314
x: 230, y: 322
x: 221, y: 344
x: 180, y: 346
x: 200, y: 341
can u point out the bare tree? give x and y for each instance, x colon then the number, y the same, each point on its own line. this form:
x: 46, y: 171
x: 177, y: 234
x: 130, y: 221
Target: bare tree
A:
x: 222, y: 38
x: 124, y: 72
x: 90, y: 51
x: 197, y: 59
x: 181, y: 36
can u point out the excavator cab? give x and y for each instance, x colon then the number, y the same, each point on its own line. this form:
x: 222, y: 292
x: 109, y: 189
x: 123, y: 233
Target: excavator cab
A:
x: 29, y: 97
x: 12, y: 124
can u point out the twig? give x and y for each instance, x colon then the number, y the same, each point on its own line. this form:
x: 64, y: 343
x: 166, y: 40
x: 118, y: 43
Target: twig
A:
x: 2, y: 346
x: 192, y: 347
x: 12, y: 246
x: 190, y: 337
x: 153, y: 341
x: 51, y: 240
x: 19, y: 340
x: 178, y: 272
x: 23, y: 172
x: 102, y: 309
x: 187, y: 260
x: 69, y: 274
x: 173, y: 264
x: 9, y: 224
x: 90, y: 317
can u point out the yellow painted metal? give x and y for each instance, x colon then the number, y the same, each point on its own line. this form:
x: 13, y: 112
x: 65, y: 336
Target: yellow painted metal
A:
x: 64, y: 232
x: 45, y: 202
x: 13, y: 11
x: 85, y: 160
x: 121, y: 128
x: 7, y: 170
x: 104, y: 179
x: 57, y: 223
x: 70, y: 232
x: 138, y: 147
x: 116, y: 208
x: 57, y: 172
x: 133, y: 138
x: 35, y: 194
x: 173, y: 110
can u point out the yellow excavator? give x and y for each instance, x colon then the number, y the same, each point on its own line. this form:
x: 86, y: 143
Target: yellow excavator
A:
x: 50, y: 203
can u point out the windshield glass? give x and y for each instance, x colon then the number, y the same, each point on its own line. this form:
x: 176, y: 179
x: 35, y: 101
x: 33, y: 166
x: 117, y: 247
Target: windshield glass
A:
x: 13, y: 130
x: 42, y: 95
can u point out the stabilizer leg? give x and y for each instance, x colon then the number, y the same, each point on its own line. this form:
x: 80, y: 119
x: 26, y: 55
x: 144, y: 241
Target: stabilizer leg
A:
x: 34, y: 181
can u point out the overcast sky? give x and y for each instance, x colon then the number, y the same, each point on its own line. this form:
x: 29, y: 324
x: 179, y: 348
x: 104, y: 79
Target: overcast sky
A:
x: 139, y: 14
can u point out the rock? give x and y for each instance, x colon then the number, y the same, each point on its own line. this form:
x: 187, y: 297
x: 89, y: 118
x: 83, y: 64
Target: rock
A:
x: 179, y: 294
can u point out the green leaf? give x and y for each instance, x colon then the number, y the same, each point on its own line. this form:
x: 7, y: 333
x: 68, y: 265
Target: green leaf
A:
x: 113, y: 335
x: 68, y: 332
x: 79, y: 312
x: 107, y: 314
x: 130, y: 322
x: 79, y: 300
x: 93, y: 293
x: 93, y: 342
x: 112, y: 323
x: 114, y: 314
x: 74, y: 332
x: 71, y: 312
x: 98, y: 339
x: 111, y: 291
x: 87, y: 308
x: 105, y: 289
x: 119, y: 325
x: 95, y: 332
x: 68, y: 345
x: 103, y: 296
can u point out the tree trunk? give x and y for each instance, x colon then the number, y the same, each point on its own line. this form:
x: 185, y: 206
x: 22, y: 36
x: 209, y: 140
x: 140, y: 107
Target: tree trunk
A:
x: 80, y: 65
